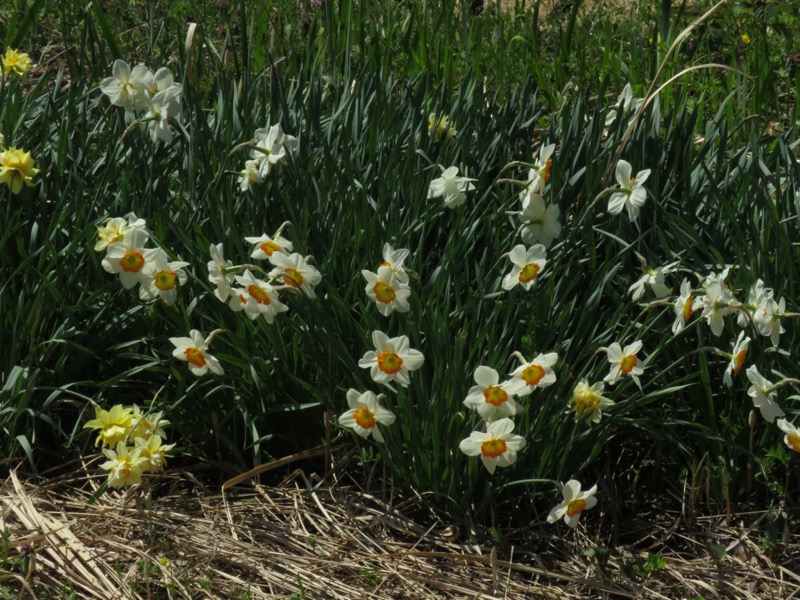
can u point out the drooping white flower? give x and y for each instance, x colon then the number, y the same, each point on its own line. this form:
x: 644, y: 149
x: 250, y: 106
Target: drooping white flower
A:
x: 537, y: 373
x: 497, y: 447
x: 540, y: 222
x: 257, y: 298
x: 491, y: 398
x: 737, y: 359
x: 127, y: 88
x: 392, y: 359
x: 625, y: 104
x: 655, y: 279
x: 219, y: 274
x: 129, y: 257
x: 575, y: 502
x: 272, y: 147
x: 451, y: 187
x: 365, y: 414
x: 763, y: 397
x: 528, y: 262
x: 250, y: 175
x: 387, y: 291
x: 295, y: 272
x: 193, y: 350
x: 632, y: 194
x: 264, y: 246
x: 588, y: 402
x: 161, y: 278
x: 792, y: 437
x: 685, y: 306
x: 623, y: 361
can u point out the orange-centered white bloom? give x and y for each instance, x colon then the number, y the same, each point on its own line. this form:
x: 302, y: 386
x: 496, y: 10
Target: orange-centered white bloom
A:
x: 194, y: 351
x: 537, y: 373
x: 497, y: 447
x: 264, y: 246
x: 392, y: 359
x: 124, y: 467
x: 365, y: 414
x: 491, y: 398
x: 257, y: 298
x: 792, y: 437
x: 737, y: 359
x: 588, y: 402
x: 387, y: 291
x: 623, y: 361
x: 295, y: 272
x: 575, y: 502
x: 114, y: 424
x: 763, y: 395
x: 685, y: 307
x: 16, y: 169
x: 528, y: 263
x: 129, y: 257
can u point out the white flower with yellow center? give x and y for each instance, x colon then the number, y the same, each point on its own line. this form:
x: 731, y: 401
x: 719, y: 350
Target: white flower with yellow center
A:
x: 194, y: 350
x: 295, y: 272
x: 161, y: 278
x: 623, y: 361
x: 392, y: 359
x: 575, y: 502
x: 264, y: 246
x: 763, y: 395
x: 162, y: 108
x: 653, y: 278
x: 685, y: 307
x: 540, y: 222
x: 153, y: 453
x: 528, y: 262
x: 387, y: 291
x: 632, y: 194
x: 588, y: 402
x: 537, y: 373
x: 124, y: 467
x: 272, y: 146
x: 114, y: 230
x: 365, y: 414
x: 256, y: 298
x: 497, y: 447
x: 126, y: 88
x: 219, y: 273
x: 129, y: 257
x: 394, y: 260
x: 737, y: 359
x: 145, y: 425
x: 250, y: 175
x: 440, y: 128
x: 491, y: 398
x: 792, y: 437
x: 539, y: 174
x: 716, y: 305
x: 451, y: 187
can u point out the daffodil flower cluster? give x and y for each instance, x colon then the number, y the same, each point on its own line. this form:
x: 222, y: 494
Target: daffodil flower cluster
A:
x: 271, y: 146
x: 132, y: 441
x: 540, y: 222
x: 124, y: 240
x: 154, y: 96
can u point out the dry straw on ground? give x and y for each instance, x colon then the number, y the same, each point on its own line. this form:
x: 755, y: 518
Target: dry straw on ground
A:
x: 178, y: 539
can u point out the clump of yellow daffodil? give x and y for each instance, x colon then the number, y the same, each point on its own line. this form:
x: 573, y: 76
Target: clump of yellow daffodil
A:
x: 16, y: 168
x: 17, y: 63
x: 133, y: 443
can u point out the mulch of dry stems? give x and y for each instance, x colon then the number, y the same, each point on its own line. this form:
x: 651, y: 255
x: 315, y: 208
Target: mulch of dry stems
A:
x: 342, y: 543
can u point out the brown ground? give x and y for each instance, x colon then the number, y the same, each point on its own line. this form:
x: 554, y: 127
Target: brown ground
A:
x: 178, y: 539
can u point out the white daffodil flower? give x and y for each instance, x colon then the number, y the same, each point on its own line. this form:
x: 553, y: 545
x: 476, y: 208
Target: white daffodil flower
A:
x: 655, y: 279
x: 492, y: 398
x: 193, y: 350
x: 497, y: 447
x: 127, y: 88
x: 272, y: 147
x: 124, y: 467
x: 716, y: 305
x: 387, y: 291
x: 537, y: 373
x: 528, y: 262
x: 394, y: 260
x: 153, y: 453
x: 625, y: 104
x: 737, y: 359
x: 129, y: 257
x: 623, y: 361
x: 256, y: 298
x: 575, y: 502
x: 295, y: 272
x: 768, y: 319
x: 365, y: 414
x: 250, y: 175
x: 792, y: 437
x: 451, y: 187
x: 588, y: 402
x: 763, y: 397
x: 632, y: 194
x: 540, y: 222
x: 539, y: 175
x: 685, y: 306
x: 114, y: 230
x: 392, y: 359
x: 162, y: 108
x: 264, y: 246
x: 757, y: 299
x: 161, y: 278
x: 218, y: 275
